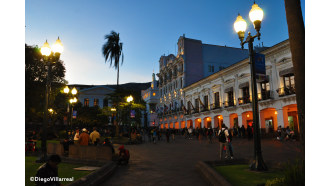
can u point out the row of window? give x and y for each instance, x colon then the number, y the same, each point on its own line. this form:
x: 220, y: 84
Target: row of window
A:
x: 265, y: 88
x: 211, y: 68
x: 171, y: 87
x: 96, y: 102
x: 169, y: 74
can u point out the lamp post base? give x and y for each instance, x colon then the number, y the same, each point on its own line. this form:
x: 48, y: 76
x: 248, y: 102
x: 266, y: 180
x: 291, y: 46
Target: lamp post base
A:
x: 258, y: 165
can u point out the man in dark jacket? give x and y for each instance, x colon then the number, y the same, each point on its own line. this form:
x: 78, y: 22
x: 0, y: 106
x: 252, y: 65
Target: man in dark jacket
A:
x: 49, y: 171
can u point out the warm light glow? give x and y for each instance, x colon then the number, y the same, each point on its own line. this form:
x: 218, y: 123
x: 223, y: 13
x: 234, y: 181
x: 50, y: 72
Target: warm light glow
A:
x: 275, y: 112
x: 45, y: 49
x: 219, y: 117
x: 58, y: 46
x: 66, y: 90
x: 51, y: 110
x: 74, y: 91
x: 259, y: 96
x: 129, y: 99
x: 199, y: 120
x: 74, y: 100
x: 240, y: 24
x: 154, y: 94
x: 113, y: 109
x: 256, y: 13
x: 248, y: 115
x: 208, y: 119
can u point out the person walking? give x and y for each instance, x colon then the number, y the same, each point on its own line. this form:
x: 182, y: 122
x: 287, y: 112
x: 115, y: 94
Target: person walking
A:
x: 243, y: 131
x: 279, y: 133
x: 210, y: 134
x: 190, y: 131
x: 84, y: 137
x: 154, y: 136
x: 173, y: 134
x: 230, y: 147
x: 223, y: 141
x: 167, y: 133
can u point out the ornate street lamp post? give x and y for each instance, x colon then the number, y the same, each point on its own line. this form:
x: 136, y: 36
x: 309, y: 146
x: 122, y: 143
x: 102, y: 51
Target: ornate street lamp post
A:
x: 71, y: 101
x: 50, y: 56
x: 129, y: 99
x: 256, y: 15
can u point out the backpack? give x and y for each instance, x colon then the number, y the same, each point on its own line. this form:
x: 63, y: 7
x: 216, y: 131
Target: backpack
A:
x: 222, y: 136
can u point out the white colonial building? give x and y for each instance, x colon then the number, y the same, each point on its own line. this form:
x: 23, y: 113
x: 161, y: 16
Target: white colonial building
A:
x: 151, y: 97
x: 194, y: 61
x: 93, y: 95
x: 225, y: 96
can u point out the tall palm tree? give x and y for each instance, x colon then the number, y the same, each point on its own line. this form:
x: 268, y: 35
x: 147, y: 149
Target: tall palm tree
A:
x: 113, y: 50
x: 296, y: 29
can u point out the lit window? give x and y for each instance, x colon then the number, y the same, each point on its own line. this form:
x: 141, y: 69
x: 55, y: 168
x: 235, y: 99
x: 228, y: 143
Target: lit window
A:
x: 96, y: 102
x: 86, y: 102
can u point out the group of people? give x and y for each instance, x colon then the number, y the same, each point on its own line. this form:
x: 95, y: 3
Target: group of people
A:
x: 285, y: 134
x: 84, y: 138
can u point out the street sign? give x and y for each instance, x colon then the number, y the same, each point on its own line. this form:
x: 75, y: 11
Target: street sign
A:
x: 74, y: 114
x: 259, y: 63
x: 132, y: 114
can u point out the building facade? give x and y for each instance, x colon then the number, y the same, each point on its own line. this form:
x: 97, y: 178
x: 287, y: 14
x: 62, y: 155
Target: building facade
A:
x: 226, y: 96
x: 93, y: 95
x: 193, y: 62
x: 151, y: 97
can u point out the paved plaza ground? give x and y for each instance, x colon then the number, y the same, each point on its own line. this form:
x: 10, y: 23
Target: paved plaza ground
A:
x: 174, y: 163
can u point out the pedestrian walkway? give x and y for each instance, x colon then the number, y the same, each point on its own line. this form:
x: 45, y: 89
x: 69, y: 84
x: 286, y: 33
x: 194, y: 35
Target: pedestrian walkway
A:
x: 174, y: 163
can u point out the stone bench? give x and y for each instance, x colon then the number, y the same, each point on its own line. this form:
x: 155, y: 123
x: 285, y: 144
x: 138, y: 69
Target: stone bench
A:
x: 82, y: 152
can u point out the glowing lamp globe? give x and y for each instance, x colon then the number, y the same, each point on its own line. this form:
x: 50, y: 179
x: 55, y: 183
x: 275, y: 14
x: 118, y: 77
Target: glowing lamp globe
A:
x: 58, y: 46
x: 256, y: 15
x: 74, y: 91
x: 66, y: 89
x: 45, y: 49
x: 240, y: 24
x: 240, y: 27
x: 129, y: 99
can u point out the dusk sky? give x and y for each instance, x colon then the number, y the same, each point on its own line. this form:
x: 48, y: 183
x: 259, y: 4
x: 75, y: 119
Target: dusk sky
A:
x: 148, y: 30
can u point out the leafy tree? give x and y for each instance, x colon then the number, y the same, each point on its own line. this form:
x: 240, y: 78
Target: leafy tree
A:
x: 35, y: 84
x: 118, y: 98
x: 90, y: 116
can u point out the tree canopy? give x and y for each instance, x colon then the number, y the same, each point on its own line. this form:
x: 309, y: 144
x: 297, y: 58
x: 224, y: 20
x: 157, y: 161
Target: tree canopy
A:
x: 35, y: 84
